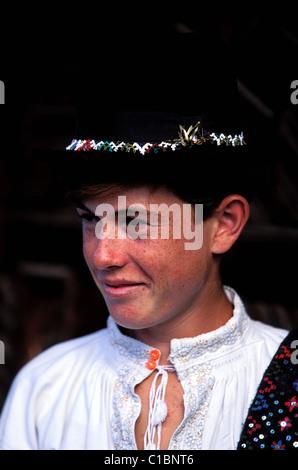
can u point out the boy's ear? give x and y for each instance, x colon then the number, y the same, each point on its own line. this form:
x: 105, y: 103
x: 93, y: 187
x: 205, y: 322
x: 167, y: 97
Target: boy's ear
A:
x: 230, y: 218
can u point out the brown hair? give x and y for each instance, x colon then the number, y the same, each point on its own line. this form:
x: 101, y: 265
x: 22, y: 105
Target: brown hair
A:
x: 104, y: 190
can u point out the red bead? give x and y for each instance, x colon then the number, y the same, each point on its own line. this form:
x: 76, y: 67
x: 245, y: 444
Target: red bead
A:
x: 151, y: 365
x: 154, y: 354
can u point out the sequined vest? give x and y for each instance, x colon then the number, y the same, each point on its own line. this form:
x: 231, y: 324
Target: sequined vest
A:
x: 272, y: 421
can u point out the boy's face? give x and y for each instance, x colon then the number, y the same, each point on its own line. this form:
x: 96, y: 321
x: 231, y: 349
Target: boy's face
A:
x: 147, y: 282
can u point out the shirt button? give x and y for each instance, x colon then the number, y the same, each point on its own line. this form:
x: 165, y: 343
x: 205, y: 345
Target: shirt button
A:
x: 151, y: 365
x: 154, y: 354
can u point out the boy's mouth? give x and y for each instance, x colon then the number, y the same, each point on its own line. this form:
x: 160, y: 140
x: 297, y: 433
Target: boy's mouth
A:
x: 122, y: 287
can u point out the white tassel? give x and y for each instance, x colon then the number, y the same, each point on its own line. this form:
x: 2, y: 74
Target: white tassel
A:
x: 157, y: 408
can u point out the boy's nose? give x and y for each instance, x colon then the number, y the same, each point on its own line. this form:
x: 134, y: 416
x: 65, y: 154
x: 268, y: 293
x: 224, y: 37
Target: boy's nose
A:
x: 110, y: 253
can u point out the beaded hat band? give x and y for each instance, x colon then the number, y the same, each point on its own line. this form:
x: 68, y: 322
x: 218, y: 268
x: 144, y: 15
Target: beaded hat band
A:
x: 194, y: 136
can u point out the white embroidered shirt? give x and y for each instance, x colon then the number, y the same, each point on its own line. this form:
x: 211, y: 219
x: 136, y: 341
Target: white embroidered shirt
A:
x: 80, y: 394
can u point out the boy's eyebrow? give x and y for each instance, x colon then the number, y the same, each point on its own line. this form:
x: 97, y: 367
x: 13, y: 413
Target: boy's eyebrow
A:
x: 81, y: 205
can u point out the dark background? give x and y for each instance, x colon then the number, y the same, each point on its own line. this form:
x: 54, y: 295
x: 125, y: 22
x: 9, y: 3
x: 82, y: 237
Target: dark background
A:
x: 46, y: 292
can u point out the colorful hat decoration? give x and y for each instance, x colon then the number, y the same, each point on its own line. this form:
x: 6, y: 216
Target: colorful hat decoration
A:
x: 193, y: 136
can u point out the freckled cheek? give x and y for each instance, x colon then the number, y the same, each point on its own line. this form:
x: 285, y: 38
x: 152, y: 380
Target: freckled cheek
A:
x: 170, y: 264
x: 187, y: 266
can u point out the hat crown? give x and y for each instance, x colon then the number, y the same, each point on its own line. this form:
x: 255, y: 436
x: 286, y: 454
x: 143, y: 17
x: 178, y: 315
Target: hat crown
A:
x: 175, y: 80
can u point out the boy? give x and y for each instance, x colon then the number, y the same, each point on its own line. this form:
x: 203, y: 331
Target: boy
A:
x: 180, y: 361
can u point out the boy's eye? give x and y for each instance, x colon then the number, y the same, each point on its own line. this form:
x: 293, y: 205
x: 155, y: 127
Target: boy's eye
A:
x: 89, y: 217
x: 136, y: 221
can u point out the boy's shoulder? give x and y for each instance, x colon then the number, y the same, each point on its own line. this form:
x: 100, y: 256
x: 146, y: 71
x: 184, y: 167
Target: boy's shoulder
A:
x: 68, y: 355
x: 269, y: 331
x: 52, y: 381
x: 260, y: 331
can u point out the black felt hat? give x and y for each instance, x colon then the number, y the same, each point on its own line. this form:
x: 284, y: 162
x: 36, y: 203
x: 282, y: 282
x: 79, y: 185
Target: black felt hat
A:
x: 164, y: 110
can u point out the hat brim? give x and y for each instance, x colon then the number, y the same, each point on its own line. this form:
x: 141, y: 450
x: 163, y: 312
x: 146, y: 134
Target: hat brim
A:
x: 207, y: 169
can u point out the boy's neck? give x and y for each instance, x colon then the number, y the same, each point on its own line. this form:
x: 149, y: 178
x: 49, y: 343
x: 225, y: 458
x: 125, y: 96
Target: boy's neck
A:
x: 213, y: 312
